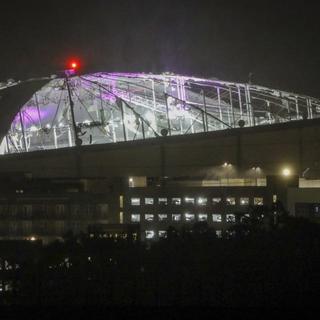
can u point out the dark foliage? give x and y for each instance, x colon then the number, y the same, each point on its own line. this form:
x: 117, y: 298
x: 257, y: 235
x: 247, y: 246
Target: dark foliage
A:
x: 255, y: 267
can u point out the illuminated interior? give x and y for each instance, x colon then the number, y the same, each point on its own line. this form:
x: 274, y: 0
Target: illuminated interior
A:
x: 113, y: 107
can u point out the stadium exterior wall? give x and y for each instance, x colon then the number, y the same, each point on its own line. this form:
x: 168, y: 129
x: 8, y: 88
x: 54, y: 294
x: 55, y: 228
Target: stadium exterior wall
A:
x: 271, y: 147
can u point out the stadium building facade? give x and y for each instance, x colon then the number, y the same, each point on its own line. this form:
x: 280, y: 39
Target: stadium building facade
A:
x: 154, y: 151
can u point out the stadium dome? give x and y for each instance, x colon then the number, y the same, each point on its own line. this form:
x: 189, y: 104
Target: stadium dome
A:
x: 113, y: 107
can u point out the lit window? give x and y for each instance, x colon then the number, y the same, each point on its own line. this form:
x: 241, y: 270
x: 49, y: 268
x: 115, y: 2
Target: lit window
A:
x: 148, y: 201
x: 244, y: 201
x: 216, y: 217
x: 216, y: 201
x: 150, y: 234
x: 245, y: 217
x: 176, y: 201
x: 137, y: 181
x: 258, y: 201
x: 6, y: 285
x: 231, y: 201
x: 163, y: 217
x: 176, y: 217
x: 202, y: 217
x: 230, y: 233
x: 230, y: 218
x: 202, y: 201
x: 163, y: 201
x: 189, y: 217
x: 162, y: 234
x: 135, y: 218
x: 189, y: 200
x: 149, y: 217
x: 135, y: 201
x: 274, y: 198
x: 219, y: 233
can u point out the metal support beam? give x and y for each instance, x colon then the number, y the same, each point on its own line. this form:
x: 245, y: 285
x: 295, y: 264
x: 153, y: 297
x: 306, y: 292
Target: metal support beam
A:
x: 205, y: 111
x: 219, y: 104
x: 142, y: 128
x: 114, y: 136
x: 203, y: 121
x: 167, y: 112
x: 77, y: 140
x: 23, y: 132
x: 7, y: 142
x: 102, y: 116
x: 123, y: 119
x: 240, y: 102
x: 249, y: 106
x: 55, y: 137
x: 310, y: 115
x: 297, y: 108
x: 232, y: 110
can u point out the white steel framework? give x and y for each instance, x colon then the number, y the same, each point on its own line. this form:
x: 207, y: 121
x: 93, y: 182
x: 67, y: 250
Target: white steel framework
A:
x: 114, y: 107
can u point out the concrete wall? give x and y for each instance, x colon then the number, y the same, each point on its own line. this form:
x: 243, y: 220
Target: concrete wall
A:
x: 295, y: 144
x: 301, y: 195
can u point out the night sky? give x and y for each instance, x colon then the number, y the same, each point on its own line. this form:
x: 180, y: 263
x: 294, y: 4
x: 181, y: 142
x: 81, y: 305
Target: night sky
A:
x: 278, y: 41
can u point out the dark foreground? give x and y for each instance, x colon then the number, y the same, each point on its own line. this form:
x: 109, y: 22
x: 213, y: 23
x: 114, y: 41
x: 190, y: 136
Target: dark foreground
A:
x: 279, y: 267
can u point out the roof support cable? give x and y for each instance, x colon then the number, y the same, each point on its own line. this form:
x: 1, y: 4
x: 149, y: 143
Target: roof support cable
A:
x: 199, y: 109
x: 126, y: 104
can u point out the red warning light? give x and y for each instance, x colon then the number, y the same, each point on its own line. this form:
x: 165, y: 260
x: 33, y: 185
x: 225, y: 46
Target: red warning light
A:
x: 74, y: 65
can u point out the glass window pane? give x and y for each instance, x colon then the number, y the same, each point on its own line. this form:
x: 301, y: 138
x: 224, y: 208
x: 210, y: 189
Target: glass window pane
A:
x: 230, y: 218
x: 149, y: 217
x: 163, y: 201
x: 189, y: 217
x: 176, y: 201
x: 176, y: 217
x: 202, y: 201
x: 219, y: 233
x: 230, y: 201
x: 135, y: 218
x: 258, y: 201
x: 162, y: 234
x: 148, y: 201
x: 150, y: 234
x: 244, y: 201
x: 216, y: 201
x: 245, y: 218
x: 189, y: 200
x: 202, y: 217
x: 162, y: 217
x: 216, y: 217
x: 135, y: 201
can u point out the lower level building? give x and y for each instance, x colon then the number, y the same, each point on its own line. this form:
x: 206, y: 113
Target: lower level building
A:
x: 145, y: 208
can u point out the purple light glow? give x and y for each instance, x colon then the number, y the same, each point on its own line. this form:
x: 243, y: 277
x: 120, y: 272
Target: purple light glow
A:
x: 30, y: 115
x: 109, y: 97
